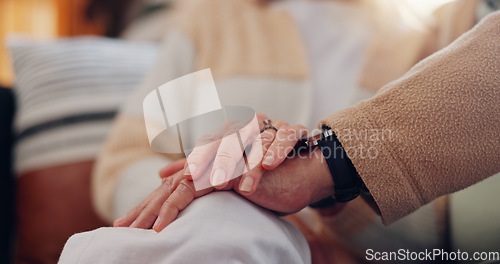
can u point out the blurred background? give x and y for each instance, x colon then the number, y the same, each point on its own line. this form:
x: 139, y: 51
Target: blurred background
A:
x: 42, y: 19
x: 45, y: 202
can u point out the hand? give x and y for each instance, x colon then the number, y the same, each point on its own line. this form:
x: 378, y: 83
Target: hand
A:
x: 287, y: 189
x: 161, y: 207
x: 226, y: 153
x: 294, y: 184
x: 164, y: 204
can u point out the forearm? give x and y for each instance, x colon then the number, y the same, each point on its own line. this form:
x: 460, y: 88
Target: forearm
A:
x: 432, y: 132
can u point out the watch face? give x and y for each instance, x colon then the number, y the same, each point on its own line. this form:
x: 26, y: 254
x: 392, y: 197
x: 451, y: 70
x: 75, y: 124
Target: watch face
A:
x: 313, y: 140
x: 308, y: 143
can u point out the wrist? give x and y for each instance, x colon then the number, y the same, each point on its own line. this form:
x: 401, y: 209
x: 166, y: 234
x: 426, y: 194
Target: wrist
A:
x: 324, y: 185
x: 347, y: 183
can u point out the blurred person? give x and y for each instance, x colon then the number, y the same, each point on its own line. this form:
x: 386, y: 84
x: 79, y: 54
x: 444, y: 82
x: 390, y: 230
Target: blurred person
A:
x: 288, y: 59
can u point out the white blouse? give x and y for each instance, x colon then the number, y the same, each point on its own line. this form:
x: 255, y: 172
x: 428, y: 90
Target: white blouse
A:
x: 335, y: 35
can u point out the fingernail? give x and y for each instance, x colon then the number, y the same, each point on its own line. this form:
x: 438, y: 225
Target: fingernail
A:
x: 218, y: 177
x: 191, y: 168
x: 246, y: 185
x: 157, y: 224
x: 268, y: 160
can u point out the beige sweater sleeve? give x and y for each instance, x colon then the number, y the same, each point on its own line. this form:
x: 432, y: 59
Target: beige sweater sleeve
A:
x: 127, y: 142
x: 432, y: 132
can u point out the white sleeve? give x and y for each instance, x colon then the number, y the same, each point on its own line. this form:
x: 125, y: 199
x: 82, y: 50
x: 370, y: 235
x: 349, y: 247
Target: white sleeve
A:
x: 221, y: 227
x: 136, y: 182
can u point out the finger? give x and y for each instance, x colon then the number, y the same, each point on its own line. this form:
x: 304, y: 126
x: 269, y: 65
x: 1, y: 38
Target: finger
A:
x: 231, y: 151
x: 207, y: 149
x: 248, y: 130
x: 228, y: 155
x: 250, y: 180
x: 259, y: 147
x: 172, y: 168
x: 149, y: 213
x: 262, y: 143
x: 182, y: 196
x: 129, y: 218
x: 229, y: 162
x: 286, y: 138
x: 203, y: 153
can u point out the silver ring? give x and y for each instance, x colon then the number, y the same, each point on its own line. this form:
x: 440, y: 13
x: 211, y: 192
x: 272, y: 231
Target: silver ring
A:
x: 267, y: 125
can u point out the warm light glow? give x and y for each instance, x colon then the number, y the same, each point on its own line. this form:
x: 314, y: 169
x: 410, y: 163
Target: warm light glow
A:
x: 414, y: 14
x: 40, y: 19
x: 36, y: 18
x: 49, y: 18
x: 429, y: 5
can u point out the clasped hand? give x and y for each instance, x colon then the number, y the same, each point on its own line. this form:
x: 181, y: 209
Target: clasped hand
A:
x: 275, y: 181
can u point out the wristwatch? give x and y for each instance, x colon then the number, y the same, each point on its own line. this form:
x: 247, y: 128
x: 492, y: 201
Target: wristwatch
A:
x: 347, y: 183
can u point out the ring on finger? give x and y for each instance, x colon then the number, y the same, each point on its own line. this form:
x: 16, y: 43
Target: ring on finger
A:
x: 268, y: 125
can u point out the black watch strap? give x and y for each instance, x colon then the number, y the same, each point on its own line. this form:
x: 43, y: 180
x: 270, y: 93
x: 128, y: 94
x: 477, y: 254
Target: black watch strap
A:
x: 348, y: 184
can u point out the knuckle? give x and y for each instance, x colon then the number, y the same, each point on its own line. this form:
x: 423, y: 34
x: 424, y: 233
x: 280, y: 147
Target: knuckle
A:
x: 166, y: 188
x: 168, y: 205
x: 167, y: 181
x: 186, y: 186
x: 224, y: 155
x: 207, y: 138
x: 266, y: 136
